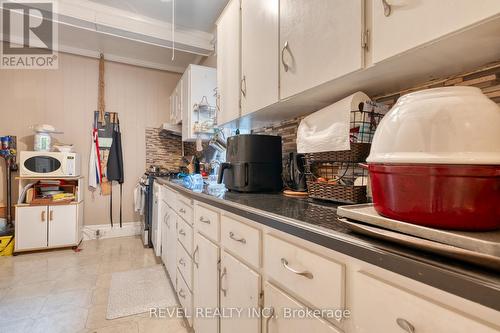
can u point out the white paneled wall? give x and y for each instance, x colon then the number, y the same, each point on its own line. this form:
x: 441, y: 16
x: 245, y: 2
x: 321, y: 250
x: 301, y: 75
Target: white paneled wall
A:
x: 67, y: 97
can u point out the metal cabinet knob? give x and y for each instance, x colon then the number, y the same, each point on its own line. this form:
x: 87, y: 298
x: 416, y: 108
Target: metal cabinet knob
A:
x: 203, y: 220
x: 285, y: 65
x: 305, y: 274
x: 405, y: 325
x: 182, y: 232
x: 237, y: 239
x: 387, y: 8
x: 224, y: 273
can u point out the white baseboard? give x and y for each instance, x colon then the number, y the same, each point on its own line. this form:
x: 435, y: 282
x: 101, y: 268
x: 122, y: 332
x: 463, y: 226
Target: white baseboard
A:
x: 106, y: 231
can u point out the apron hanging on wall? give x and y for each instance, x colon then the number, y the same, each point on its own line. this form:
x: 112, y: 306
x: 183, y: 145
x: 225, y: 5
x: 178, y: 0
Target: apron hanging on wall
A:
x: 115, y: 164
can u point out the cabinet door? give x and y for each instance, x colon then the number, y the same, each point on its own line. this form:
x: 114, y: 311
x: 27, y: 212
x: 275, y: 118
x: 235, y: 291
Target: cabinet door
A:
x: 412, y: 23
x: 228, y: 63
x: 185, y: 106
x: 239, y: 289
x: 320, y: 40
x: 31, y: 227
x: 158, y: 226
x: 171, y: 115
x: 62, y: 225
x: 171, y: 255
x: 283, y: 321
x: 164, y: 236
x: 259, y: 54
x: 206, y: 282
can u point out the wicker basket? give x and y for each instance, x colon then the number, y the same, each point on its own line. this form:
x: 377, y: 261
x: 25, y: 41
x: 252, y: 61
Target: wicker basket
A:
x: 329, y: 165
x: 357, y: 154
x: 336, y: 192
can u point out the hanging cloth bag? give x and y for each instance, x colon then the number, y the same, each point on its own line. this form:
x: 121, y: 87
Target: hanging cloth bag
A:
x: 115, y: 163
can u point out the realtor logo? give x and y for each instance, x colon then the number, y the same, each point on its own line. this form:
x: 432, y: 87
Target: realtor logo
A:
x: 29, y: 35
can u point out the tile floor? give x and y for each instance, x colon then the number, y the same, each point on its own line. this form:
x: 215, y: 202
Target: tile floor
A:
x: 64, y: 291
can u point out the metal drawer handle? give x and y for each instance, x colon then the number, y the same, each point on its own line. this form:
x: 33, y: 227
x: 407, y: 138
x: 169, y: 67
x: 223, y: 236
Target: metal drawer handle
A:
x: 51, y: 215
x: 182, y: 210
x: 43, y: 216
x: 233, y: 237
x: 405, y: 325
x: 285, y: 65
x: 203, y: 220
x: 268, y: 319
x: 182, y: 262
x: 387, y: 8
x: 182, y: 294
x: 244, y: 86
x: 305, y: 274
x: 224, y: 273
x: 182, y: 232
x: 194, y: 256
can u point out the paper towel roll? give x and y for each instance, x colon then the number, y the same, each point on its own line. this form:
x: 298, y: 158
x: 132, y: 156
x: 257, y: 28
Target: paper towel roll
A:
x: 328, y: 128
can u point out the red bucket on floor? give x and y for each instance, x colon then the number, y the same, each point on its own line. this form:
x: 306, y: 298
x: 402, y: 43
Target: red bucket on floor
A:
x: 461, y: 197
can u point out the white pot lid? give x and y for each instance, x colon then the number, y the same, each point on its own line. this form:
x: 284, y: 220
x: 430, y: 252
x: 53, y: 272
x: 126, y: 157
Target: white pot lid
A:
x: 452, y: 125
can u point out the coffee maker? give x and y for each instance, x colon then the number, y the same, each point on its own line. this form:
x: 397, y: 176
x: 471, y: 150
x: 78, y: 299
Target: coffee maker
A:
x: 253, y: 163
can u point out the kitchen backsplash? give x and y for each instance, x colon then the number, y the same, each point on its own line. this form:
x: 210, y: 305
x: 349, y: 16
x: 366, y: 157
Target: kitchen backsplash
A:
x: 487, y: 78
x: 163, y: 149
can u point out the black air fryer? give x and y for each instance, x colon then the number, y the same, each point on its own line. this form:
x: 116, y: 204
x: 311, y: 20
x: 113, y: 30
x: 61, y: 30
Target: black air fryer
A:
x: 253, y: 163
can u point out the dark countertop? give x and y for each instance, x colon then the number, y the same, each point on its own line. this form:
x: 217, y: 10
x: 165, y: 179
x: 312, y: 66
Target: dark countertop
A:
x: 317, y: 222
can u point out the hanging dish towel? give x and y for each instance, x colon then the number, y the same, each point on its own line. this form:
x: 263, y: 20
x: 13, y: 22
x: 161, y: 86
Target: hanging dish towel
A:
x: 328, y: 128
x: 95, y: 175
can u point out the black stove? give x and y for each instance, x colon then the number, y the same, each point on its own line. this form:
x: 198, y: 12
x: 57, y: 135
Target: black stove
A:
x: 147, y: 182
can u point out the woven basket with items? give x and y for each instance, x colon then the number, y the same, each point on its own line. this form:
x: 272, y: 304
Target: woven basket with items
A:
x: 337, y: 175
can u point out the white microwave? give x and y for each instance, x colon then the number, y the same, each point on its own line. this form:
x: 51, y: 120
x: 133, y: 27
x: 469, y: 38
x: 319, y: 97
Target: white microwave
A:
x: 48, y: 164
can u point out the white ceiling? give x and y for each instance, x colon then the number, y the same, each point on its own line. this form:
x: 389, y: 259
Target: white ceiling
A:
x: 192, y: 14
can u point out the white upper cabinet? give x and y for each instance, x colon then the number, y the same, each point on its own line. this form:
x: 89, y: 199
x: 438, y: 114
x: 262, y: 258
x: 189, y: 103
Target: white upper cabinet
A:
x: 259, y: 50
x: 320, y: 40
x: 401, y: 25
x: 198, y: 87
x: 228, y: 63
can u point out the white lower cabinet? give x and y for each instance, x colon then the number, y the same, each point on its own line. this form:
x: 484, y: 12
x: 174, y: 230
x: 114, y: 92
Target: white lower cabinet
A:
x: 206, y: 284
x: 286, y: 315
x: 171, y: 237
x: 305, y: 273
x: 185, y: 297
x: 31, y: 227
x: 239, y: 289
x: 62, y: 226
x: 299, y: 278
x: 185, y: 265
x: 39, y: 227
x: 164, y: 235
x: 380, y: 307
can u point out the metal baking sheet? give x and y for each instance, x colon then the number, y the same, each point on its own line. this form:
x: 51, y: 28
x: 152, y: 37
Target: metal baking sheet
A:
x: 425, y: 245
x: 483, y: 242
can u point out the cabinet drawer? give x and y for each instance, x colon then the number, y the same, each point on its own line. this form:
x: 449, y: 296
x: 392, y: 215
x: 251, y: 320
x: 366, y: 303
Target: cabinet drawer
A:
x: 168, y: 196
x: 185, y: 297
x: 243, y: 240
x: 184, y: 208
x: 206, y: 221
x: 185, y: 265
x: 280, y: 323
x: 185, y: 235
x: 313, y: 278
x: 381, y: 307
